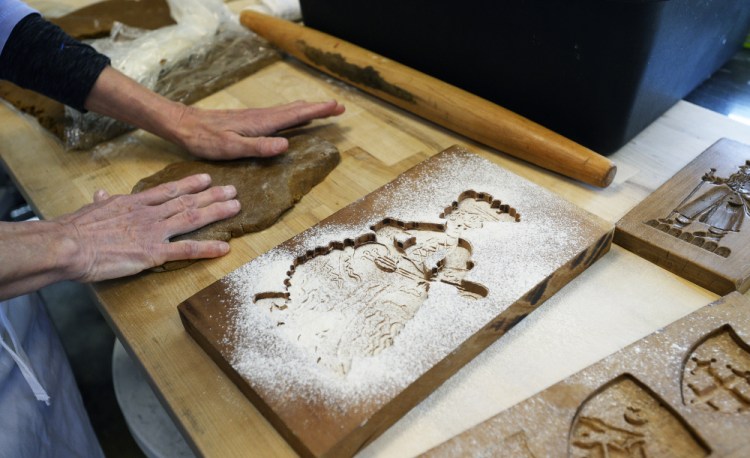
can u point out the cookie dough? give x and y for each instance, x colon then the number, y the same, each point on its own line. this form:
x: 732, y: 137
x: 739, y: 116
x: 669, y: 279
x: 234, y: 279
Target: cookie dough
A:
x: 266, y: 187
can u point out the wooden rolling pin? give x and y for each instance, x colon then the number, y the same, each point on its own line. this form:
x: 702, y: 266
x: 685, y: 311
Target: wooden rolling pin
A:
x: 435, y: 100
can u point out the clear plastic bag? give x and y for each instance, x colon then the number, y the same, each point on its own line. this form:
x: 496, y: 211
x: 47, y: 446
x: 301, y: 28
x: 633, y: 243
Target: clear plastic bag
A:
x: 285, y: 9
x: 204, y: 52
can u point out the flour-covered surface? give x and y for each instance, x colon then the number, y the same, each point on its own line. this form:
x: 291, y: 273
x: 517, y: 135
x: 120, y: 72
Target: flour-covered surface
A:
x: 682, y: 391
x: 342, y: 329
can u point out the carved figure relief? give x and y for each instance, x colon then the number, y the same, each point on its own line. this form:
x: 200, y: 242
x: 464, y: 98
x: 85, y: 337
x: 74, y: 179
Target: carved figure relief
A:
x: 717, y: 374
x: 705, y: 216
x: 353, y: 297
x: 626, y: 419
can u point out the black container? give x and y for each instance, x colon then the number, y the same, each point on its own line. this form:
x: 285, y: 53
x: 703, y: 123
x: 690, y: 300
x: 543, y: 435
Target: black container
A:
x: 596, y: 71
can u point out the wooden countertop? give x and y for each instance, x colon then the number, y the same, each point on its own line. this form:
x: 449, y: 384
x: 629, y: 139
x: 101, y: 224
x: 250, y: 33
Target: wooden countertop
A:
x: 618, y: 300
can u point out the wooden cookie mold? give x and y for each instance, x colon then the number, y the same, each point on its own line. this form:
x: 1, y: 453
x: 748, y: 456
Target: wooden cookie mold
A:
x: 683, y: 391
x: 338, y: 332
x: 695, y: 224
x: 378, y: 281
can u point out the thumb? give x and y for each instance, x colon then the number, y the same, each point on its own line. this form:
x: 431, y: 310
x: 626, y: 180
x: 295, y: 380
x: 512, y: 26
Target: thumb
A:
x: 258, y: 147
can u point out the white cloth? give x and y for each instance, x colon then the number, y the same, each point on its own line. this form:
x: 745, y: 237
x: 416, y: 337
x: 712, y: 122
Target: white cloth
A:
x: 28, y: 426
x: 11, y: 343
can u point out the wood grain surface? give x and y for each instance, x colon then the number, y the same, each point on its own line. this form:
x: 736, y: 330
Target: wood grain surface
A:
x: 694, y: 224
x: 618, y: 300
x: 681, y: 392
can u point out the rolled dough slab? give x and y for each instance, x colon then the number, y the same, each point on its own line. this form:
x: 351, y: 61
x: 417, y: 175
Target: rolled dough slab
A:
x: 266, y: 187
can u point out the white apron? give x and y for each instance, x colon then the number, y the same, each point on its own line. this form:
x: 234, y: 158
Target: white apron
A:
x: 41, y: 412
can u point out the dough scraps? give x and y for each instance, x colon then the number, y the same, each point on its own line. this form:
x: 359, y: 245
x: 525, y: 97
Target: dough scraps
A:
x: 186, y: 80
x: 93, y: 21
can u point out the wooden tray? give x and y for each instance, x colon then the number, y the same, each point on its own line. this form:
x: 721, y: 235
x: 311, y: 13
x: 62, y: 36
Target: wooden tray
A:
x: 694, y: 224
x: 338, y: 332
x: 683, y: 391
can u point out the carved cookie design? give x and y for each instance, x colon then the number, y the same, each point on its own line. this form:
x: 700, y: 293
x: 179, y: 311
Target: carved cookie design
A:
x: 717, y: 374
x: 353, y: 297
x: 625, y: 418
x: 714, y: 208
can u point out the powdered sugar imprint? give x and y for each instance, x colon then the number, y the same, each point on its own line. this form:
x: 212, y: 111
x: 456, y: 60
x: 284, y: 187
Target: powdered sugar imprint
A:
x: 345, y: 313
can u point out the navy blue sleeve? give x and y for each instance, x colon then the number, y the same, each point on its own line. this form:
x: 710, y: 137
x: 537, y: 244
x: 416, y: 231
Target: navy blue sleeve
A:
x: 41, y: 57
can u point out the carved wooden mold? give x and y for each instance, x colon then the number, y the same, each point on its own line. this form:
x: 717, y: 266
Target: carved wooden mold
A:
x: 683, y: 391
x: 377, y: 282
x: 695, y: 224
x: 339, y: 331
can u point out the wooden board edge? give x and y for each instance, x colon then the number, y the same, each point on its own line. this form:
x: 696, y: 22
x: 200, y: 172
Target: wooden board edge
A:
x: 683, y: 267
x: 732, y: 300
x: 402, y: 403
x: 363, y: 434
x: 189, y: 317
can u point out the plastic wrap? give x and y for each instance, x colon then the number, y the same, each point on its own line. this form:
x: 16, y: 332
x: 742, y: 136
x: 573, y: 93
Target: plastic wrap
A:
x: 205, y: 51
x: 285, y: 9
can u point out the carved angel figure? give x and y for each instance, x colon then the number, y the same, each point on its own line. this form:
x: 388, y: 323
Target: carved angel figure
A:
x: 353, y: 297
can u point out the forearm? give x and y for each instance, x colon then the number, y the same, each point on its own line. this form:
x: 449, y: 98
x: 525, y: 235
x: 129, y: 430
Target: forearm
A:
x: 41, y: 57
x: 118, y: 96
x: 115, y: 236
x: 34, y: 254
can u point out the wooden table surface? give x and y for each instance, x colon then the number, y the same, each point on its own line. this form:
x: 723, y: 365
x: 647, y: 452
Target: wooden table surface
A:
x: 618, y: 300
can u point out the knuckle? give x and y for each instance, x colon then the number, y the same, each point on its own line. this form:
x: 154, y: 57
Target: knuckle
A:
x: 170, y: 189
x: 121, y: 201
x: 187, y: 201
x: 192, y: 216
x: 189, y: 250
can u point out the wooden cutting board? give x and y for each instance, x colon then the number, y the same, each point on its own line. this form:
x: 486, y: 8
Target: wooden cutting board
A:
x: 683, y: 391
x: 694, y: 224
x: 338, y: 332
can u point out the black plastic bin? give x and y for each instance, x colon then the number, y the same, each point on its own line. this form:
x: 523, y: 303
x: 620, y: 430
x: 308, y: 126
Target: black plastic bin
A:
x: 596, y: 71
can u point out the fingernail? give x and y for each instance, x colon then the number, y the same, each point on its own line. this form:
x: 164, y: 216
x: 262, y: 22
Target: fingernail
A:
x: 230, y: 191
x: 235, y: 204
x: 224, y: 247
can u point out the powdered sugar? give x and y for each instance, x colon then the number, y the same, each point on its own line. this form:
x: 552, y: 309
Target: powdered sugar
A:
x: 508, y: 259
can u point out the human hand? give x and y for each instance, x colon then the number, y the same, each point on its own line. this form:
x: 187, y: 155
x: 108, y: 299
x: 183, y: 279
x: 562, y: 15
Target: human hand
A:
x: 231, y: 134
x: 125, y: 234
x: 210, y: 134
